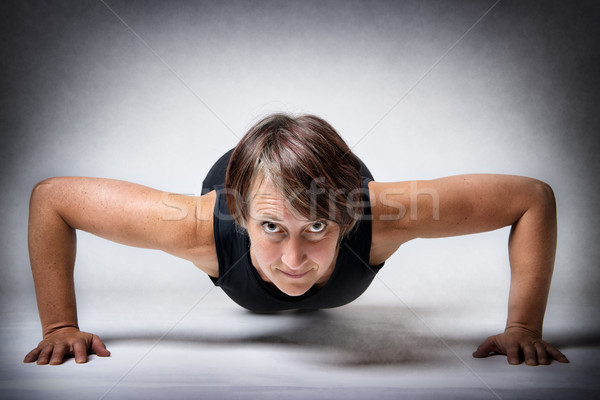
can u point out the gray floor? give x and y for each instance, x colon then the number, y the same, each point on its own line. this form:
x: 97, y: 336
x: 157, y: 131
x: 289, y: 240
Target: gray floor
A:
x: 368, y: 349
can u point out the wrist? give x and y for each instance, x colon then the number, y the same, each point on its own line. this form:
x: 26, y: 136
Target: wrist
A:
x: 516, y: 326
x: 53, y: 329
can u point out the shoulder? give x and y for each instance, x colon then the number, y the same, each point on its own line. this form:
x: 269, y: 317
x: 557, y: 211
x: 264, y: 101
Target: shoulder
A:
x: 198, y: 246
x: 389, y: 203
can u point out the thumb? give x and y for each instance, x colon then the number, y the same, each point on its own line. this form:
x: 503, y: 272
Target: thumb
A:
x: 99, y: 348
x: 487, y: 348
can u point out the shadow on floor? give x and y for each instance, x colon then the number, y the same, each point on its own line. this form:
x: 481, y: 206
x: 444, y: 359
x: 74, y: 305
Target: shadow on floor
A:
x: 356, y: 336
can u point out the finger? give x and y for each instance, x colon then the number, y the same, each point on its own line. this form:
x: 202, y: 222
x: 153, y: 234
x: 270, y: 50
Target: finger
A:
x: 99, y: 348
x: 530, y: 354
x: 556, y: 354
x: 58, y: 354
x: 487, y: 348
x: 45, y: 355
x: 80, y: 350
x: 513, y: 354
x: 542, y: 355
x: 32, y: 355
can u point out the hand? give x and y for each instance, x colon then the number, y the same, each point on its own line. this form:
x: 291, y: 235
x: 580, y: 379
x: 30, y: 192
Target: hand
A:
x: 68, y: 341
x: 518, y: 342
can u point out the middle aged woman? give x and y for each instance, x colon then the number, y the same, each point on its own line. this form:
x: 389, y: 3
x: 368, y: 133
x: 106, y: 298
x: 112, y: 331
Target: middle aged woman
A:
x: 292, y: 219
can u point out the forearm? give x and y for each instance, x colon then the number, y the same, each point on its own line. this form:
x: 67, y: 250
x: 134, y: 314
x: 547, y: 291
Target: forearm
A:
x: 532, y: 247
x: 52, y: 247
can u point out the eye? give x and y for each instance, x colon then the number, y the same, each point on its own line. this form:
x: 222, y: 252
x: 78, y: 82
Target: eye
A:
x: 317, y: 227
x: 270, y: 227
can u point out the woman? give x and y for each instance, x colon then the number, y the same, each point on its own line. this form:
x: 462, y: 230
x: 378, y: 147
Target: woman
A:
x: 291, y: 219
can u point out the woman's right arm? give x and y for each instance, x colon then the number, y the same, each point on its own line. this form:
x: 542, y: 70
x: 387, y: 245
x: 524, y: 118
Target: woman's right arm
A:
x: 123, y: 212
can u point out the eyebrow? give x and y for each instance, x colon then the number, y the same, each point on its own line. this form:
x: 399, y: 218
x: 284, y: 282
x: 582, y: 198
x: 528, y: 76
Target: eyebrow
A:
x: 269, y: 216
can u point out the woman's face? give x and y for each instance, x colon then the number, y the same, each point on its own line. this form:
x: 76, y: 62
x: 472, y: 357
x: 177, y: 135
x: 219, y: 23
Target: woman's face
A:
x: 288, y: 250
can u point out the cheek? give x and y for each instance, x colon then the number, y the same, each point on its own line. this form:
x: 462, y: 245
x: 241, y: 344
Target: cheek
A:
x: 265, y: 252
x: 322, y: 254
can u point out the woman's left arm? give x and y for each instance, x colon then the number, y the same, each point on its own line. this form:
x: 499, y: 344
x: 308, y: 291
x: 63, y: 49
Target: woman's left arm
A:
x: 477, y: 203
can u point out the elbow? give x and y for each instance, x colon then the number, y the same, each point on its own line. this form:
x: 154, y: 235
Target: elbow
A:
x: 44, y: 192
x: 41, y: 187
x: 543, y: 196
x: 42, y: 184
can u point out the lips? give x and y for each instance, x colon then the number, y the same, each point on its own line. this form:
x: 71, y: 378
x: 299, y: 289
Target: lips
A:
x: 294, y: 276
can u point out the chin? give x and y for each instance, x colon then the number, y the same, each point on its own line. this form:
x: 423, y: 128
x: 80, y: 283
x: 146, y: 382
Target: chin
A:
x: 293, y: 290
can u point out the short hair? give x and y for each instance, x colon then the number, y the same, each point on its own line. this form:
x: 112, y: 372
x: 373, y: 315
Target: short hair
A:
x: 308, y: 163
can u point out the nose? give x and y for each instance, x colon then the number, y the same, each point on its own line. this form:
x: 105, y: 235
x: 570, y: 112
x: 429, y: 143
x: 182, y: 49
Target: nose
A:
x: 293, y: 254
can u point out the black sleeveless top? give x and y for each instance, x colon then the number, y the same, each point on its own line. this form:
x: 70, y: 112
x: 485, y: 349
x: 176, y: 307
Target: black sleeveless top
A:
x: 240, y: 280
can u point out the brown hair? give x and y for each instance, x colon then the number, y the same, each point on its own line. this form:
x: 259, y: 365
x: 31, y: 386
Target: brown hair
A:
x: 306, y: 160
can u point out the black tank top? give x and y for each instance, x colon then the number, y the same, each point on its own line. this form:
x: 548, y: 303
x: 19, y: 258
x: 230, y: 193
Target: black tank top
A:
x: 240, y: 280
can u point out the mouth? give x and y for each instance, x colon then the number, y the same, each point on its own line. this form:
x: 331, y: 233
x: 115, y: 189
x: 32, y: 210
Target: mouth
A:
x: 294, y: 276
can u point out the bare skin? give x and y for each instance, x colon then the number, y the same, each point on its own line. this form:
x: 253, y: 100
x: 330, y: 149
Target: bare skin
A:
x: 477, y: 203
x: 288, y: 250
x: 291, y: 252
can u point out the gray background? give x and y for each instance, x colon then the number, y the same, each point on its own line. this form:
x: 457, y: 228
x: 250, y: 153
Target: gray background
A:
x: 154, y: 92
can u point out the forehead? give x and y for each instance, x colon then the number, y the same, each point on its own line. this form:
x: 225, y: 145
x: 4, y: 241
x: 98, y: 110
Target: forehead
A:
x: 266, y: 199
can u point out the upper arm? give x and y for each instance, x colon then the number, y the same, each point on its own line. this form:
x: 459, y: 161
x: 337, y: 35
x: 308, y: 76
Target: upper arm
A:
x: 134, y: 215
x: 452, y: 206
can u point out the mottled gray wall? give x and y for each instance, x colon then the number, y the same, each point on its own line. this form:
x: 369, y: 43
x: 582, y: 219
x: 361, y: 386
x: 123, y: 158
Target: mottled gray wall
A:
x: 158, y: 100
